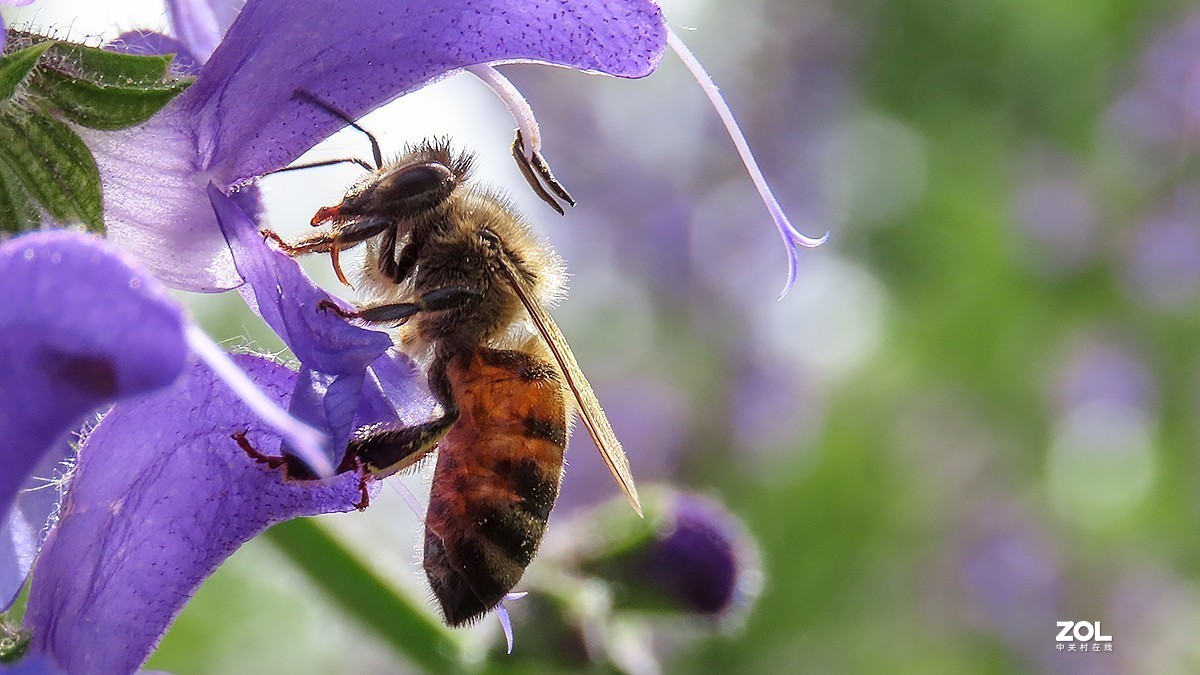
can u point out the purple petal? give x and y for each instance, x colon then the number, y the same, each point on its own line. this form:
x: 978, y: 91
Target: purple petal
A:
x: 698, y: 557
x: 79, y: 328
x: 334, y: 353
x: 239, y: 120
x: 283, y: 295
x: 367, y: 52
x: 201, y: 23
x: 155, y: 205
x: 161, y: 496
x: 395, y: 390
x: 148, y: 43
x: 33, y: 665
x: 329, y: 403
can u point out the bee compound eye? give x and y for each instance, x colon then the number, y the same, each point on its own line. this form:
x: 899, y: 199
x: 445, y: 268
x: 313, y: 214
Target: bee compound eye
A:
x: 420, y: 180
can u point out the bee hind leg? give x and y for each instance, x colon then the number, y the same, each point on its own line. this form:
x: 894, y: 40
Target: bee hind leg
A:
x: 293, y: 468
x: 384, y: 451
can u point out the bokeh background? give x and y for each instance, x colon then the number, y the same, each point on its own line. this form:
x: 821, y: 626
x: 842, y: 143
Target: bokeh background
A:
x: 975, y: 415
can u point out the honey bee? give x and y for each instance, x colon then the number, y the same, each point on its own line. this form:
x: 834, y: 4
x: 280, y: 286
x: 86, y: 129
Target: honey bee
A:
x: 468, y: 283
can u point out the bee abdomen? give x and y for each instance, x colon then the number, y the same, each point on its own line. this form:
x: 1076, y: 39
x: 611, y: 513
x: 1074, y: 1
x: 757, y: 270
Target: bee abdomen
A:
x: 496, y: 480
x: 478, y: 542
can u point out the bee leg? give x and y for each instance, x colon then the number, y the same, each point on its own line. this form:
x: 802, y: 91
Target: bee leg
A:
x: 537, y: 171
x: 433, y: 301
x: 382, y: 451
x: 364, y: 497
x: 311, y: 98
x: 397, y: 268
x: 341, y: 235
x: 293, y: 469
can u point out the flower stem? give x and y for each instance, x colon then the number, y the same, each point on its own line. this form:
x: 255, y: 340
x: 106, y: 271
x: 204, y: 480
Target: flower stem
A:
x: 411, y: 630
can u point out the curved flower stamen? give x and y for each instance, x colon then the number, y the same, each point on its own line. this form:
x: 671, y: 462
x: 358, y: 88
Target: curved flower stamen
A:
x: 505, y: 621
x: 791, y: 236
x: 518, y: 108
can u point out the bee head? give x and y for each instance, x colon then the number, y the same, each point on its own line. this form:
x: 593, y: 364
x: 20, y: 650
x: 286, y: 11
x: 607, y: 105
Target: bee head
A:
x: 422, y: 179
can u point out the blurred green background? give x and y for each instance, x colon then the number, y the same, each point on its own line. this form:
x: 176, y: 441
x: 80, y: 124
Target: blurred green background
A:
x: 974, y: 416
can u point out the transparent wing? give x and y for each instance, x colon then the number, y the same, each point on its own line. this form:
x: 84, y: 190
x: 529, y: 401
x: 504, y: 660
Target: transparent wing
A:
x: 593, y: 416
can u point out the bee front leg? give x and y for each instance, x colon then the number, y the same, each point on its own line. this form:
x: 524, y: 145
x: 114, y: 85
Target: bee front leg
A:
x: 341, y: 235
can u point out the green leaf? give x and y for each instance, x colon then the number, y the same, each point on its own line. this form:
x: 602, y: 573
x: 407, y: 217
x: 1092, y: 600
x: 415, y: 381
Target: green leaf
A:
x: 18, y: 213
x: 104, y: 106
x: 15, y: 67
x: 53, y: 165
x: 105, y: 67
x: 408, y: 628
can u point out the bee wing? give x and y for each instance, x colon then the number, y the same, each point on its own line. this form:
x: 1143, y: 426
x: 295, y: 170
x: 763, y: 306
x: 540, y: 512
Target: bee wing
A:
x: 589, y: 408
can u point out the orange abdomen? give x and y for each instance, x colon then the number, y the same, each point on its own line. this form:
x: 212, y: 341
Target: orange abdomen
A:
x: 497, y: 477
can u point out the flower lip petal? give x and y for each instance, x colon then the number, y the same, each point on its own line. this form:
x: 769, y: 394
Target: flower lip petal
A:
x: 79, y: 328
x: 160, y: 497
x: 395, y: 390
x: 362, y: 53
x: 334, y: 354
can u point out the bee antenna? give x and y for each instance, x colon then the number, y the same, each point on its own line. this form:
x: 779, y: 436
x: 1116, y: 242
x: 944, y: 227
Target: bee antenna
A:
x: 309, y: 97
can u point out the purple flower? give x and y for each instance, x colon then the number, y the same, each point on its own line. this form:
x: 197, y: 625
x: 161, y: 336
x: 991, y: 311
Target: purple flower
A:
x: 160, y: 497
x: 700, y: 558
x: 690, y: 555
x: 1162, y: 266
x: 80, y: 329
x: 688, y: 558
x: 241, y: 118
x: 161, y: 494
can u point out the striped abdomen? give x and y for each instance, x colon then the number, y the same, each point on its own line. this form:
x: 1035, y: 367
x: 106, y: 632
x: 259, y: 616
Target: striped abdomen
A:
x: 497, y: 478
